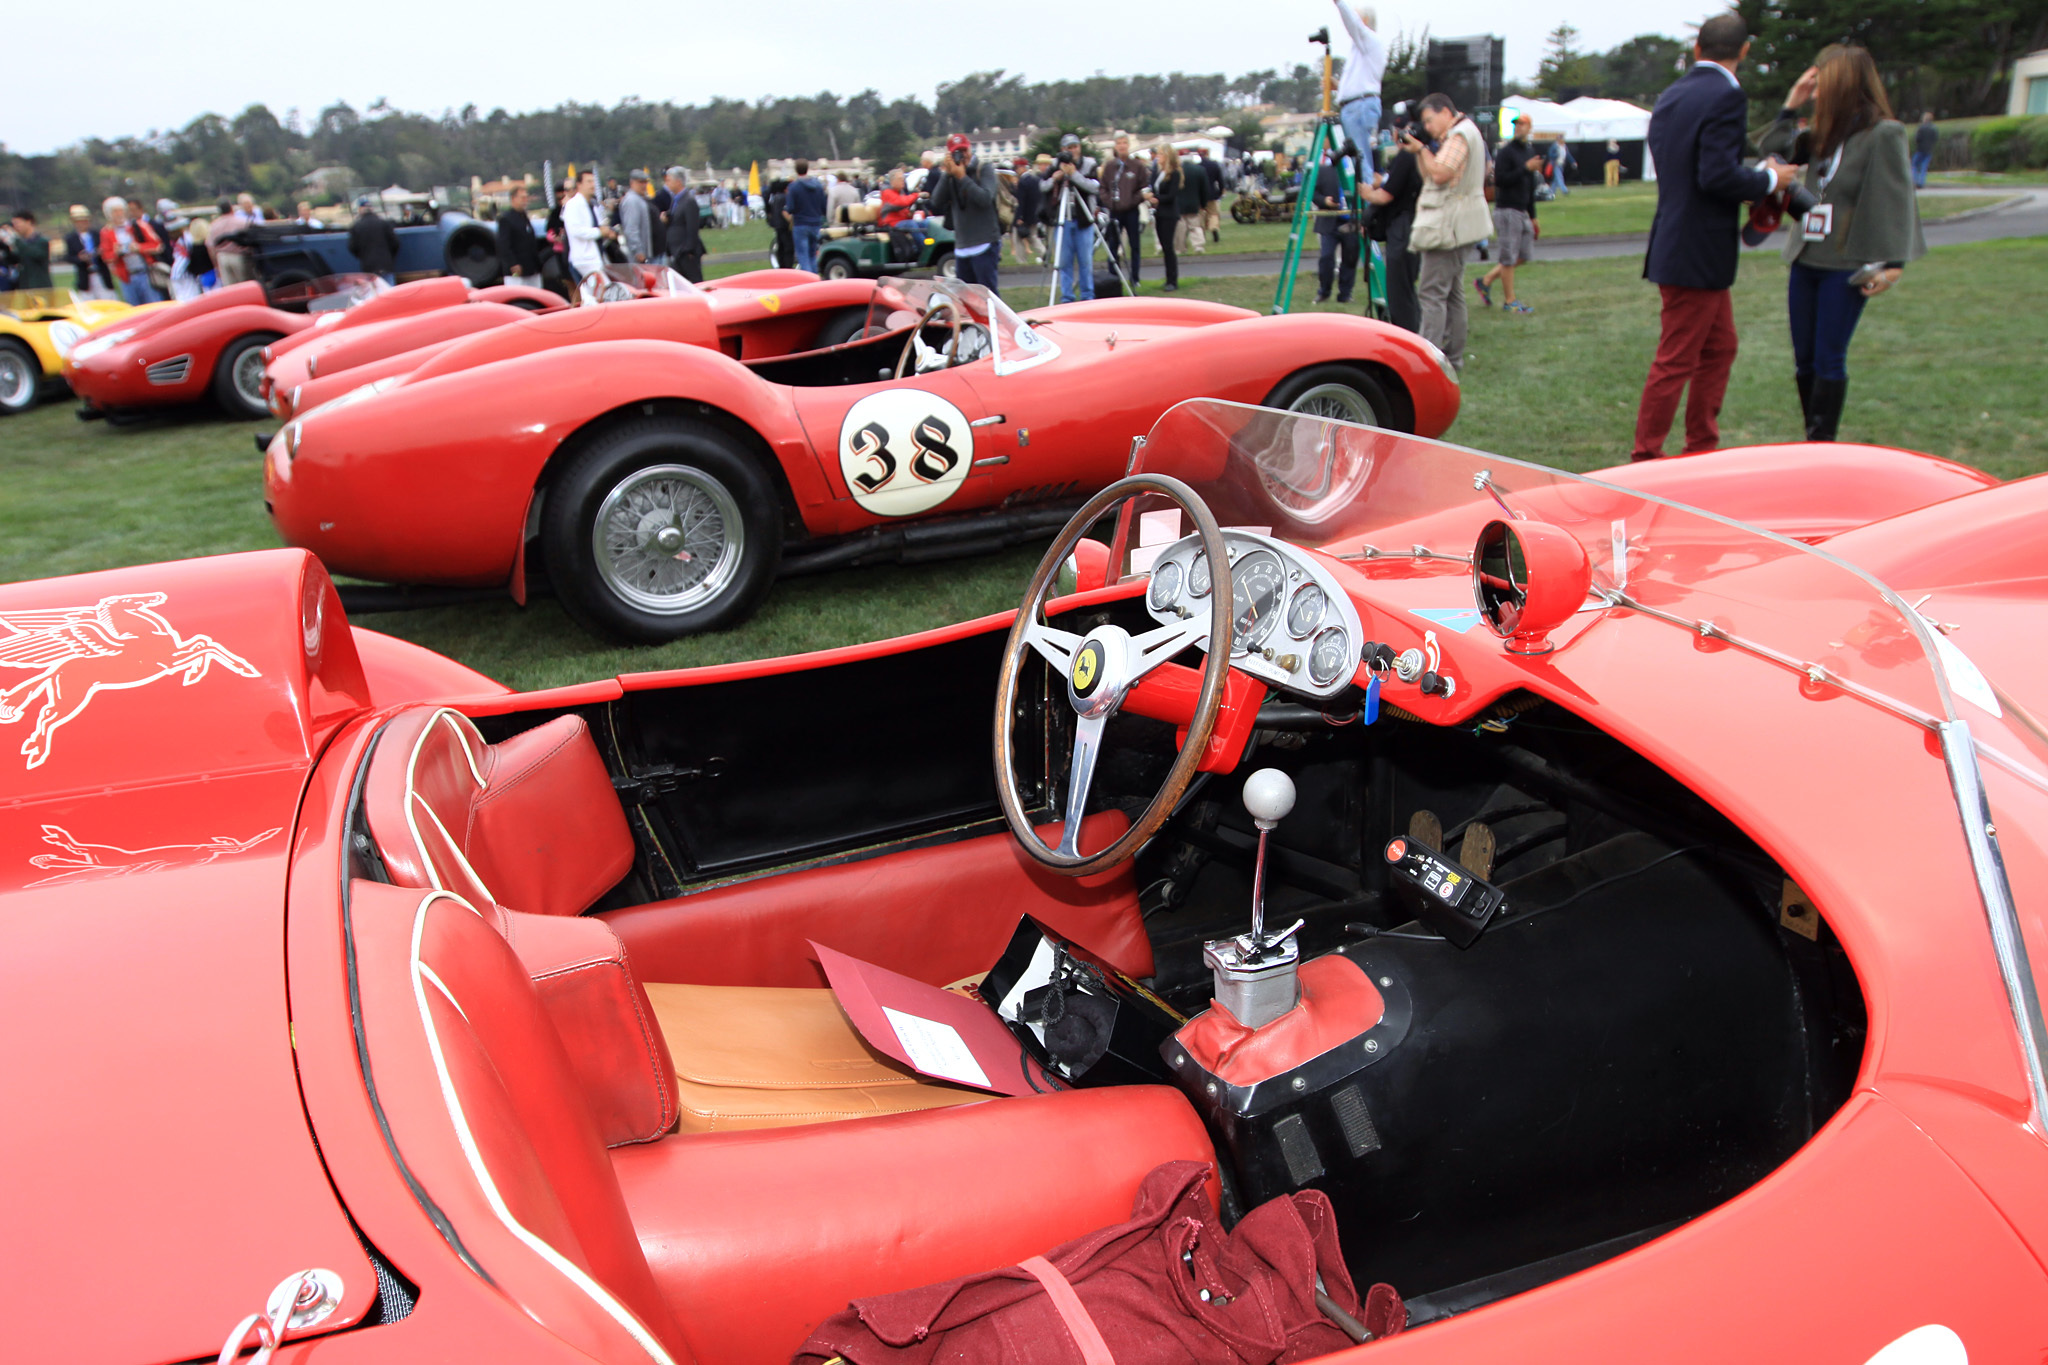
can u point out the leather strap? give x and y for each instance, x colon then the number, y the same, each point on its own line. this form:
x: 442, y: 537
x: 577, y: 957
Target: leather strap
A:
x: 1094, y: 1350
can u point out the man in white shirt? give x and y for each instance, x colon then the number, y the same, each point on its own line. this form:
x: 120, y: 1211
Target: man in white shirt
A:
x: 586, y: 229
x: 1358, y: 92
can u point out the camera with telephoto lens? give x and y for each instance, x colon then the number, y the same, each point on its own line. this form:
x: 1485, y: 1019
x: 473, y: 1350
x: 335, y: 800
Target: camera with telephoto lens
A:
x: 1799, y: 200
x: 1066, y: 159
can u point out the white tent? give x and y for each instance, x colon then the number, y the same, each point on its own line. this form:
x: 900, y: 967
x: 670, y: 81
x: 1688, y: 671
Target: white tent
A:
x: 1590, y: 119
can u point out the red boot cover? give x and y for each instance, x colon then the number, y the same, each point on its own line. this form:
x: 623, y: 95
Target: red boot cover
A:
x: 1170, y: 1287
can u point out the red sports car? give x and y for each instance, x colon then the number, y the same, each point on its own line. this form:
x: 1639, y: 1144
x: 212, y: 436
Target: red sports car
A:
x: 753, y: 316
x: 213, y: 347
x: 661, y: 486
x: 1668, y: 892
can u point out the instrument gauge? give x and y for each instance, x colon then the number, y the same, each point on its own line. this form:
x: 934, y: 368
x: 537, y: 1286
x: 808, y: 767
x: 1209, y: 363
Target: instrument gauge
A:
x: 1256, y: 583
x: 1198, y: 575
x: 1329, y: 657
x: 1165, y: 586
x: 1306, y: 611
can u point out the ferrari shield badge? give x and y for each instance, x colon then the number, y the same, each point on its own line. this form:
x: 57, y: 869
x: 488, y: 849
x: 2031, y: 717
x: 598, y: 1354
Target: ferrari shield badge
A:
x: 1087, y: 668
x: 75, y: 653
x: 904, y: 452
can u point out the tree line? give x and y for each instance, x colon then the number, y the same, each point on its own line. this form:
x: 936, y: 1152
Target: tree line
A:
x: 1948, y: 55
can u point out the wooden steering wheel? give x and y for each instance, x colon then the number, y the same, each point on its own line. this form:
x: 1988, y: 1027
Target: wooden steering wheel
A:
x: 1096, y: 670
x: 917, y: 333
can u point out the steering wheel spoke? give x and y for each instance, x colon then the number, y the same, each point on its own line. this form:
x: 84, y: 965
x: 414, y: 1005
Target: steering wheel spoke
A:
x: 1053, y: 645
x: 1156, y: 646
x: 1081, y: 776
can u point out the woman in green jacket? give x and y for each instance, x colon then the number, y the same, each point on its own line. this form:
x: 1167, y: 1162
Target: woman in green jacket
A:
x: 1857, y: 238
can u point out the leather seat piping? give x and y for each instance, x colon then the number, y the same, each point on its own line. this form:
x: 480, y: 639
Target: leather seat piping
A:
x: 463, y: 728
x: 423, y: 976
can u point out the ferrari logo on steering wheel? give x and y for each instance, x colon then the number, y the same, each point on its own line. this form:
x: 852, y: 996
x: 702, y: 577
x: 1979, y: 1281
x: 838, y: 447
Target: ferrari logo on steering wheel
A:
x: 1087, y: 668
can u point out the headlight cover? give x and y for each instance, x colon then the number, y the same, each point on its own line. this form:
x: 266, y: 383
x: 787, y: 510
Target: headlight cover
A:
x: 95, y: 345
x: 64, y: 335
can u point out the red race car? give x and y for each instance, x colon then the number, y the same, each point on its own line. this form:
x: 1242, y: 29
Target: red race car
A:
x: 213, y: 347
x: 754, y: 316
x: 662, y: 486
x: 1645, y: 903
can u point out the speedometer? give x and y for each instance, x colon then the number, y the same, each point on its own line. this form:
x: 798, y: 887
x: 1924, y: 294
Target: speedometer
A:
x: 1306, y: 611
x: 1165, y: 586
x: 1255, y: 586
x: 1198, y: 575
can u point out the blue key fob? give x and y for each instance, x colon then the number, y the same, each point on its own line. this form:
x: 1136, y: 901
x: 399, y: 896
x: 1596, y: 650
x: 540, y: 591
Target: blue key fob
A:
x: 1372, y: 701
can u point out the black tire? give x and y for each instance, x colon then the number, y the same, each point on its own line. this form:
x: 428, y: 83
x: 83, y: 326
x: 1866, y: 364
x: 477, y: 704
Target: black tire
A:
x: 837, y: 266
x: 946, y: 267
x: 1322, y: 390
x: 471, y: 251
x: 647, y: 464
x: 21, y: 377
x: 241, y: 399
x: 847, y: 325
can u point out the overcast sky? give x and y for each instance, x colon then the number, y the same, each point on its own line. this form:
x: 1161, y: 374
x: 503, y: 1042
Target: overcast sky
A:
x: 107, y: 73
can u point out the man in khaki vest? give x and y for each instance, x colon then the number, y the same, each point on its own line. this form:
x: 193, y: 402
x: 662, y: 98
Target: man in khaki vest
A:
x: 1450, y: 218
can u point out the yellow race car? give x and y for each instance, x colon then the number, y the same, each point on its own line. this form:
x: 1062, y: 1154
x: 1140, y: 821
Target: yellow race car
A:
x: 38, y: 328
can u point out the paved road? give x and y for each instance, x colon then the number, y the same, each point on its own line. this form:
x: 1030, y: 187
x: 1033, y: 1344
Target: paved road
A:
x: 2025, y: 215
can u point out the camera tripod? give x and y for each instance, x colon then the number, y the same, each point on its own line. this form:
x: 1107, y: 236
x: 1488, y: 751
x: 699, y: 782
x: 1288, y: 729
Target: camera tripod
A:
x: 1328, y: 131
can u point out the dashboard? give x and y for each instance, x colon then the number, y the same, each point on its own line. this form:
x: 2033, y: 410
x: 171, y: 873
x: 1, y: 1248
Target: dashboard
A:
x: 1291, y: 624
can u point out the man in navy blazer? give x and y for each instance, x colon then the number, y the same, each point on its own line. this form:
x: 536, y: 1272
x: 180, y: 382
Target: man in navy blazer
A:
x: 1696, y: 138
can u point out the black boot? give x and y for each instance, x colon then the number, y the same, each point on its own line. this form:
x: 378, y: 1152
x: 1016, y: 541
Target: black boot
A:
x: 1824, y: 411
x: 1805, y: 383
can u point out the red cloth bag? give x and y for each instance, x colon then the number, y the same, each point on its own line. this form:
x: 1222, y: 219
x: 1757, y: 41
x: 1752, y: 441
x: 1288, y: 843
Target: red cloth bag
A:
x: 1170, y: 1287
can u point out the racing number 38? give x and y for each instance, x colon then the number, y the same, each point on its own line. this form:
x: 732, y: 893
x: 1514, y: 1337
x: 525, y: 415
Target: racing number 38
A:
x: 904, y: 452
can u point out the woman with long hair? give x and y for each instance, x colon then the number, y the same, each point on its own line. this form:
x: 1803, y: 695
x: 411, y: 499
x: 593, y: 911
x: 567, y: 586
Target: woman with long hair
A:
x: 1862, y: 229
x: 1164, y: 195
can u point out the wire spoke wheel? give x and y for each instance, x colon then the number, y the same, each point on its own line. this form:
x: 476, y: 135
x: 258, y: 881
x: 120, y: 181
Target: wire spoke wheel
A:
x: 668, y: 538
x: 1339, y: 402
x: 17, y: 379
x: 249, y: 377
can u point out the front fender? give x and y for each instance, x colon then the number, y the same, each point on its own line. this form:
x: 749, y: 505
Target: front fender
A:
x: 119, y: 377
x: 1304, y: 339
x: 428, y: 482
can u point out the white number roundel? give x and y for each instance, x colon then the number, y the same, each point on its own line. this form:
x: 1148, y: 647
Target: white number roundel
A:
x: 904, y: 452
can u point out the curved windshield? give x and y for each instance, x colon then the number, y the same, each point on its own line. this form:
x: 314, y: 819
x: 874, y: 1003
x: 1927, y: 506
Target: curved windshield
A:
x: 998, y: 333
x: 1397, y: 505
x: 328, y: 294
x: 615, y: 283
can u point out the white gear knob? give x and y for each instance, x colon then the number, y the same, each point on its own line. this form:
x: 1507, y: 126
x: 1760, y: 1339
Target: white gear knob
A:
x: 1268, y: 795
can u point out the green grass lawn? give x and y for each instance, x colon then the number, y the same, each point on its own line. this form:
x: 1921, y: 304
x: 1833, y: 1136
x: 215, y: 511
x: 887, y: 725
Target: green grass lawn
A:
x: 1944, y: 363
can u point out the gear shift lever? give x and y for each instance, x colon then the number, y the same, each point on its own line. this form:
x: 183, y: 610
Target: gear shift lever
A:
x: 1256, y: 975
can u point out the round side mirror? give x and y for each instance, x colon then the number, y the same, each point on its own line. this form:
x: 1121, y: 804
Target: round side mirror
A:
x: 1528, y: 577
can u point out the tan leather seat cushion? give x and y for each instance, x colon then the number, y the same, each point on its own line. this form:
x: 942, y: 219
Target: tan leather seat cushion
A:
x: 778, y: 1056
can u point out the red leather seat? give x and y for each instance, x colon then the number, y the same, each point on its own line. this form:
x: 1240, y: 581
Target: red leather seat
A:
x: 726, y: 1249
x: 532, y: 824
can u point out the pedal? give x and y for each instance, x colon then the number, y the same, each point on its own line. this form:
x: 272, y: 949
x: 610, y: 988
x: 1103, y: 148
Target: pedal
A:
x: 1424, y: 827
x: 1476, y: 853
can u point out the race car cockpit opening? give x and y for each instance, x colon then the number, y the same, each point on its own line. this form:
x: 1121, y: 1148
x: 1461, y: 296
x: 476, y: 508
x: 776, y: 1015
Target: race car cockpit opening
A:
x: 1510, y: 993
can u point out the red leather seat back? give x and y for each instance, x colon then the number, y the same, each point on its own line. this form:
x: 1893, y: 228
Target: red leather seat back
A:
x: 482, y: 1103
x: 938, y: 914
x: 531, y: 823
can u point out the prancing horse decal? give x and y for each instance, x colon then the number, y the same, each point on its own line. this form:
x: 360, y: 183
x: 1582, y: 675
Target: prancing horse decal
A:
x: 904, y: 451
x: 83, y: 651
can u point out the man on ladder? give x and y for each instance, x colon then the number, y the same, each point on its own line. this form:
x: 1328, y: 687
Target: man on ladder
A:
x: 1358, y: 94
x: 1307, y: 204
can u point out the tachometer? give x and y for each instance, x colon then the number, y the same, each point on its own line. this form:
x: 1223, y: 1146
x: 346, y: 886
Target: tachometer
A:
x: 1165, y: 586
x: 1306, y: 611
x: 1330, y: 656
x: 1198, y: 575
x: 1255, y: 586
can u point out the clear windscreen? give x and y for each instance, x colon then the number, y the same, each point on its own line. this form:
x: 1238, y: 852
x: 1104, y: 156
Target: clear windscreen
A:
x: 1402, y: 506
x: 996, y: 331
x: 615, y: 283
x: 328, y: 294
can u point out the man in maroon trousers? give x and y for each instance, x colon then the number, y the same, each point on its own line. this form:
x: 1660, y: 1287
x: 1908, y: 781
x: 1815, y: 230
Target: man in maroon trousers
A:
x: 1696, y: 138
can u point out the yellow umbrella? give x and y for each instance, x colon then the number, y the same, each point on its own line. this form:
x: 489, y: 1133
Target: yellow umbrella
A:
x: 754, y: 178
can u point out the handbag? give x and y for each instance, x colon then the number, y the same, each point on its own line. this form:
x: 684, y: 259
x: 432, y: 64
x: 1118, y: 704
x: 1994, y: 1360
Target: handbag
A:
x: 1170, y: 1285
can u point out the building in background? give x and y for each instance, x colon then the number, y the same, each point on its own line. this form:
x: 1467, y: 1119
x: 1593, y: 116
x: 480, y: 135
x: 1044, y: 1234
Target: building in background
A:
x: 2029, y: 85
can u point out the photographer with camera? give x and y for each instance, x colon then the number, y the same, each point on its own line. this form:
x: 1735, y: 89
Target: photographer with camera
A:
x: 1855, y: 220
x: 966, y: 194
x: 1358, y: 91
x: 1071, y: 192
x: 1450, y: 218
